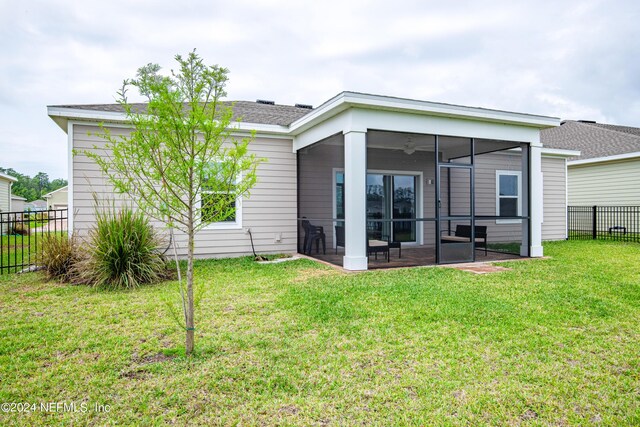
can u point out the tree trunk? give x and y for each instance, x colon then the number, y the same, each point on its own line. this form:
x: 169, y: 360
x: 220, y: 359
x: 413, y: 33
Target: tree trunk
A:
x: 189, y: 344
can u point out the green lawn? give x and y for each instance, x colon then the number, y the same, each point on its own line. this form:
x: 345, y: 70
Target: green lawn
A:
x: 551, y: 342
x: 16, y: 249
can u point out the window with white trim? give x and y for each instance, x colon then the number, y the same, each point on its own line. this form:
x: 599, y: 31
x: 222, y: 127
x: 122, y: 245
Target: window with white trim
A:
x: 218, y: 208
x: 508, y: 195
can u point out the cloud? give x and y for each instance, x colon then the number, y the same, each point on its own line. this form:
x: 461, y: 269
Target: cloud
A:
x: 574, y: 59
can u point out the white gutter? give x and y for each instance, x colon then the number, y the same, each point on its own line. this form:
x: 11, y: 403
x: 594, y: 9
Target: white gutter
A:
x: 8, y: 177
x: 61, y: 114
x: 557, y: 152
x: 605, y: 159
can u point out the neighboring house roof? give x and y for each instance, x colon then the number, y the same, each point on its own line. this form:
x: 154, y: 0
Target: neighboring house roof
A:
x: 41, y: 204
x: 14, y: 197
x: 8, y: 177
x: 594, y: 140
x: 244, y: 111
x: 46, y: 196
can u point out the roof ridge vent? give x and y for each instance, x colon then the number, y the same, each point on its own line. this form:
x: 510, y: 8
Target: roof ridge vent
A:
x: 587, y: 121
x: 265, y: 102
x: 307, y: 106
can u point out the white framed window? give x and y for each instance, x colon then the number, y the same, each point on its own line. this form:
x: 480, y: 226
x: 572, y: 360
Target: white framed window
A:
x: 210, y: 202
x: 508, y: 196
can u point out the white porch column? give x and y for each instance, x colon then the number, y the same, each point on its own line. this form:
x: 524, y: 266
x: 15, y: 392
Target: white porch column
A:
x: 536, y: 208
x: 355, y: 209
x: 524, y: 191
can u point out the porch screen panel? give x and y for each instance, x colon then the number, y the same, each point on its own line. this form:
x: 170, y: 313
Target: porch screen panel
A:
x: 321, y: 199
x: 401, y: 187
x: 501, y: 194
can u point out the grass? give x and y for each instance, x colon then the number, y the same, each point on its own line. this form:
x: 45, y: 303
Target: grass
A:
x: 550, y: 342
x: 16, y: 250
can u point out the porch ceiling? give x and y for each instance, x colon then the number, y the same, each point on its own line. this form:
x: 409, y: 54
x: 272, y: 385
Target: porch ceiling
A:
x: 452, y: 146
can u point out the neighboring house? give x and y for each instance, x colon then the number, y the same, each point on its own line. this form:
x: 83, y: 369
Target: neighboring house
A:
x: 364, y: 165
x: 57, y: 199
x: 17, y: 203
x: 6, y: 181
x: 35, y: 206
x: 607, y: 172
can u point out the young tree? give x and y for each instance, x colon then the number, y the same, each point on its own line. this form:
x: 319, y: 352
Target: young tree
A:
x: 180, y: 147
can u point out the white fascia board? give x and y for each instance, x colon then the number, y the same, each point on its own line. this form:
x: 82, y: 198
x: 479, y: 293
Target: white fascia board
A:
x: 62, y: 115
x: 625, y: 156
x: 557, y: 152
x: 261, y: 129
x: 325, y: 111
x: 76, y: 114
x: 8, y: 177
x: 339, y: 123
x: 345, y: 100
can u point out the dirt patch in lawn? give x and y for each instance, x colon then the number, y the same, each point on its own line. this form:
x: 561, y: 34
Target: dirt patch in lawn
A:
x: 139, y: 369
x: 154, y: 358
x: 479, y: 268
x: 311, y: 273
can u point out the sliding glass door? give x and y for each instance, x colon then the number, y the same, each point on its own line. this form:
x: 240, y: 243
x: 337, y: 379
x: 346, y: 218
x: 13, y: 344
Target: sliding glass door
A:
x: 390, y: 199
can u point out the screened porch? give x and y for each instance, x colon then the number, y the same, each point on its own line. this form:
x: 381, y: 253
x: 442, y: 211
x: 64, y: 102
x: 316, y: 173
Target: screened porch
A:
x: 430, y: 199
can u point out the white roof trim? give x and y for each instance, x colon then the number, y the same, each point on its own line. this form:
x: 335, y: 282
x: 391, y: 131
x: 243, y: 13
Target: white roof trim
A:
x: 345, y: 100
x: 16, y: 197
x: 336, y: 105
x: 8, y: 177
x: 57, y: 113
x: 46, y: 196
x: 558, y: 152
x: 604, y: 159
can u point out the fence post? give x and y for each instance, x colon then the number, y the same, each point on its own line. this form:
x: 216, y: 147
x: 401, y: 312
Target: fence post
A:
x: 594, y: 222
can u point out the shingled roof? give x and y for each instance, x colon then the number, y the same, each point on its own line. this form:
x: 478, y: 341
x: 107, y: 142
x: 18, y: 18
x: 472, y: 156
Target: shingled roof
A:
x: 244, y: 111
x: 592, y: 139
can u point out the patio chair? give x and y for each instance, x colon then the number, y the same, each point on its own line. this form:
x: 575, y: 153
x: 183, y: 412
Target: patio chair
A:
x: 339, y: 237
x: 463, y: 235
x: 393, y: 245
x: 378, y: 246
x: 313, y: 233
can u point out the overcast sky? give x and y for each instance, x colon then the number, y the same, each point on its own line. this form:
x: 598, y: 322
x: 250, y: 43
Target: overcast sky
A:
x: 569, y: 59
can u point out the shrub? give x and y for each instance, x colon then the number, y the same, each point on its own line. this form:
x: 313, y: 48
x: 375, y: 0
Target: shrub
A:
x: 59, y: 254
x: 21, y: 229
x: 123, y: 251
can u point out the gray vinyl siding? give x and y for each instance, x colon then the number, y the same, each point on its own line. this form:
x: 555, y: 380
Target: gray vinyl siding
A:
x: 5, y: 200
x: 486, y: 166
x: 269, y: 210
x: 607, y: 183
x: 58, y: 199
x: 5, y: 195
x: 554, y: 225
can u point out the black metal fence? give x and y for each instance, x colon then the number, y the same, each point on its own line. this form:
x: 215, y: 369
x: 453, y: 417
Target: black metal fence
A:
x: 21, y: 236
x: 620, y: 223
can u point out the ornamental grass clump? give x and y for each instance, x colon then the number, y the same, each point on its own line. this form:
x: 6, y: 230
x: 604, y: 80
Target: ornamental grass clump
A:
x: 124, y: 251
x: 58, y: 256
